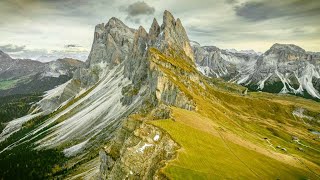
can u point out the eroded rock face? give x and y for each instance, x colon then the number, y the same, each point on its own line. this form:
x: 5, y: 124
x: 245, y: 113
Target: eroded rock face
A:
x: 174, y: 36
x: 154, y: 31
x: 111, y: 43
x: 230, y: 66
x: 138, y: 152
x: 139, y: 149
x: 284, y: 68
x: 128, y: 73
x: 141, y: 68
x: 165, y: 89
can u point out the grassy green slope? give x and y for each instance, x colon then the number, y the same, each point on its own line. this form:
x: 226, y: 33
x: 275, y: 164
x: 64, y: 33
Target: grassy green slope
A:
x: 231, y: 135
x: 206, y: 154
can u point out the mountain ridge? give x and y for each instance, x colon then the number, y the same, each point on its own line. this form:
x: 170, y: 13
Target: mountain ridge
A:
x: 17, y: 74
x: 140, y: 107
x: 285, y: 68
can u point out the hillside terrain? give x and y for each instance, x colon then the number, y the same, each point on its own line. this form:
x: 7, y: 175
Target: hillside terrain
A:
x: 24, y: 76
x: 141, y: 108
x: 23, y: 82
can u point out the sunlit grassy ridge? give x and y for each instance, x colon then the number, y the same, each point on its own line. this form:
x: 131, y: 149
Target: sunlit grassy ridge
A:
x: 205, y: 154
x: 236, y: 136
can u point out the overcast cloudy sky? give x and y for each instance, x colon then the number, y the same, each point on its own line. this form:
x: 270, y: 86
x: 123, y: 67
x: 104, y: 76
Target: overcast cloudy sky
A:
x: 44, y: 28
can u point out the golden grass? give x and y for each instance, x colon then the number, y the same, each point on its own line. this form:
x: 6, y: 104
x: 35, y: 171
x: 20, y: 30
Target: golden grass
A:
x: 205, y: 155
x: 226, y: 136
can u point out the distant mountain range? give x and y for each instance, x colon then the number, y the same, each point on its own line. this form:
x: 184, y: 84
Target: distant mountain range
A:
x: 24, y: 76
x: 284, y: 68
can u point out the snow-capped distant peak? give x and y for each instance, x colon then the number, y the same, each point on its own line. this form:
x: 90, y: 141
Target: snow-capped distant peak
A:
x: 250, y: 51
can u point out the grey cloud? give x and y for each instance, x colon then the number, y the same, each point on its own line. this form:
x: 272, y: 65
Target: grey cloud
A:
x: 139, y: 8
x: 12, y: 48
x: 134, y: 12
x: 263, y: 10
x: 231, y: 1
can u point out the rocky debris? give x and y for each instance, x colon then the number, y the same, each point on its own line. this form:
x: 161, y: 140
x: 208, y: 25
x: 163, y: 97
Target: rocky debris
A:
x: 138, y: 152
x: 300, y: 149
x: 161, y: 112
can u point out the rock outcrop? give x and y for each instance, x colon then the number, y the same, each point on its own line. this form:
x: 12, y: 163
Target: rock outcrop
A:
x: 230, y: 66
x: 138, y: 151
x: 284, y: 68
x: 128, y: 73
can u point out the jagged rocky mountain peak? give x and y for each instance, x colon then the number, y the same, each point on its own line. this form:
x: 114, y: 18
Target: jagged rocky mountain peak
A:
x: 154, y: 30
x: 286, y: 47
x: 140, y: 42
x: 141, y: 30
x: 174, y: 36
x: 284, y: 68
x: 155, y: 27
x: 168, y: 19
x: 115, y: 22
x: 287, y: 52
x: 111, y: 44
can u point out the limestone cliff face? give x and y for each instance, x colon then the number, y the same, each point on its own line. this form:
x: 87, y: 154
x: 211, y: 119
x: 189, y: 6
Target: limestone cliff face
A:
x: 111, y: 46
x: 111, y: 43
x: 173, y: 35
x: 139, y: 149
x: 130, y: 77
x: 142, y: 65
